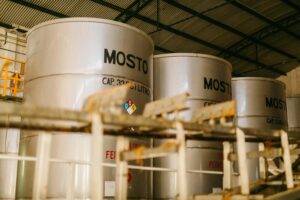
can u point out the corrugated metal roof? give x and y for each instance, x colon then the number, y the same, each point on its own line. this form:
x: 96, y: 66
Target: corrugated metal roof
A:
x: 252, y: 35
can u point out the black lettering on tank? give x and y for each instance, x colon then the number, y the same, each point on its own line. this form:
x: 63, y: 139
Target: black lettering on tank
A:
x: 145, y: 67
x: 121, y: 58
x: 130, y: 61
x: 208, y: 84
x: 110, y: 58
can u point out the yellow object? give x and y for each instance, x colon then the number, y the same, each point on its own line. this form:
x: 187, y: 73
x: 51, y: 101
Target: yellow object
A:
x: 12, y: 80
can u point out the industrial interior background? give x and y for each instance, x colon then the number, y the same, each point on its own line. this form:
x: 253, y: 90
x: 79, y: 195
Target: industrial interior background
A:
x: 259, y: 38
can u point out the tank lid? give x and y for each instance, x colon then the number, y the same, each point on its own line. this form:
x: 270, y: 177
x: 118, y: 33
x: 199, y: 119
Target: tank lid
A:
x: 89, y: 19
x: 258, y: 79
x: 200, y: 55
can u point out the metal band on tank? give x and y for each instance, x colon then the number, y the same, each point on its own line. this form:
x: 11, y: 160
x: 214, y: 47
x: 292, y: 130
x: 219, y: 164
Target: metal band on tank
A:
x: 197, y: 55
x: 86, y: 74
x: 259, y: 79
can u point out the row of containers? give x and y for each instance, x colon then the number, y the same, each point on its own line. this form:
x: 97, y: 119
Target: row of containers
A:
x: 70, y: 59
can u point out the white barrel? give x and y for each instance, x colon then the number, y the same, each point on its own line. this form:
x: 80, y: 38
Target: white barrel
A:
x: 208, y: 80
x: 261, y: 105
x: 12, y: 47
x: 293, y: 112
x: 68, y: 60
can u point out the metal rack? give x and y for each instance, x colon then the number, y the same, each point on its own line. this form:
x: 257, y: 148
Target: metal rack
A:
x: 212, y: 123
x: 11, y: 79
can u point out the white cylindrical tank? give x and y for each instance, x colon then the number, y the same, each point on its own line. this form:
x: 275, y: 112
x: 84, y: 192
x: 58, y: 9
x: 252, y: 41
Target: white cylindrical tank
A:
x: 208, y: 80
x: 68, y: 60
x: 261, y: 105
x: 293, y: 112
x: 12, y: 47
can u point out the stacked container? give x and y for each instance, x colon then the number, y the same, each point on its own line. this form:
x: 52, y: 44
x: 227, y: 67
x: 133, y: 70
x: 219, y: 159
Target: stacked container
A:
x: 68, y: 60
x: 208, y: 80
x: 260, y: 105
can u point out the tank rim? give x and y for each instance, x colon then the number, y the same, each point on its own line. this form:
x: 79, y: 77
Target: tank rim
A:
x: 90, y: 19
x: 258, y: 79
x: 200, y: 55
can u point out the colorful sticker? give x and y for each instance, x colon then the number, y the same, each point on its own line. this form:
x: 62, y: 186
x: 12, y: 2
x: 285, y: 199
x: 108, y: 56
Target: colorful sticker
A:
x: 129, y: 106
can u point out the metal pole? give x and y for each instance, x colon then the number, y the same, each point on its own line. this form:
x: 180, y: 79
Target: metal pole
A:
x: 227, y: 170
x: 121, y: 169
x: 42, y: 166
x: 242, y: 161
x: 182, y: 180
x: 97, y: 157
x: 287, y: 160
x: 262, y: 162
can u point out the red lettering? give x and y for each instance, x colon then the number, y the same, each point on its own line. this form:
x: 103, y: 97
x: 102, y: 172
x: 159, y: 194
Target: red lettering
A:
x: 215, y: 164
x: 129, y: 177
x: 110, y: 155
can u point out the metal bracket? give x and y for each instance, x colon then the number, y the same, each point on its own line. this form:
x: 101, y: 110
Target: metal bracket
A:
x: 144, y: 153
x: 182, y: 178
x: 227, y: 166
x: 287, y: 160
x: 262, y: 162
x: 121, y: 169
x: 167, y: 105
x: 242, y: 161
x: 97, y: 157
x: 109, y: 100
x: 212, y: 112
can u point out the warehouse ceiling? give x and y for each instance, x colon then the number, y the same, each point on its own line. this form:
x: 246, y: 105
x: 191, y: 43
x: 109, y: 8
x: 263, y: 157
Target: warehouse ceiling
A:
x: 259, y: 37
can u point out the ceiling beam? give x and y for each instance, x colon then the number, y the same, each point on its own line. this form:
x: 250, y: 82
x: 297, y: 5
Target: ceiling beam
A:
x: 291, y: 4
x: 228, y: 28
x: 140, y: 6
x: 189, y: 37
x: 59, y: 15
x: 161, y: 49
x: 124, y: 12
x: 263, y: 18
x: 155, y: 23
x: 39, y: 8
x: 263, y: 33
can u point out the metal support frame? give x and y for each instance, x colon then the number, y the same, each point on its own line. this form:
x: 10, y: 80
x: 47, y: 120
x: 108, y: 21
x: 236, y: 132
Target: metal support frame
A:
x: 228, y: 28
x: 262, y: 34
x: 262, y: 162
x: 121, y: 169
x: 291, y: 4
x: 242, y: 161
x: 40, y: 181
x: 129, y: 12
x: 181, y: 164
x: 287, y: 160
x: 227, y: 166
x: 263, y: 18
x: 96, y: 121
x: 60, y: 15
x: 159, y: 25
x: 188, y: 36
x: 97, y: 157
